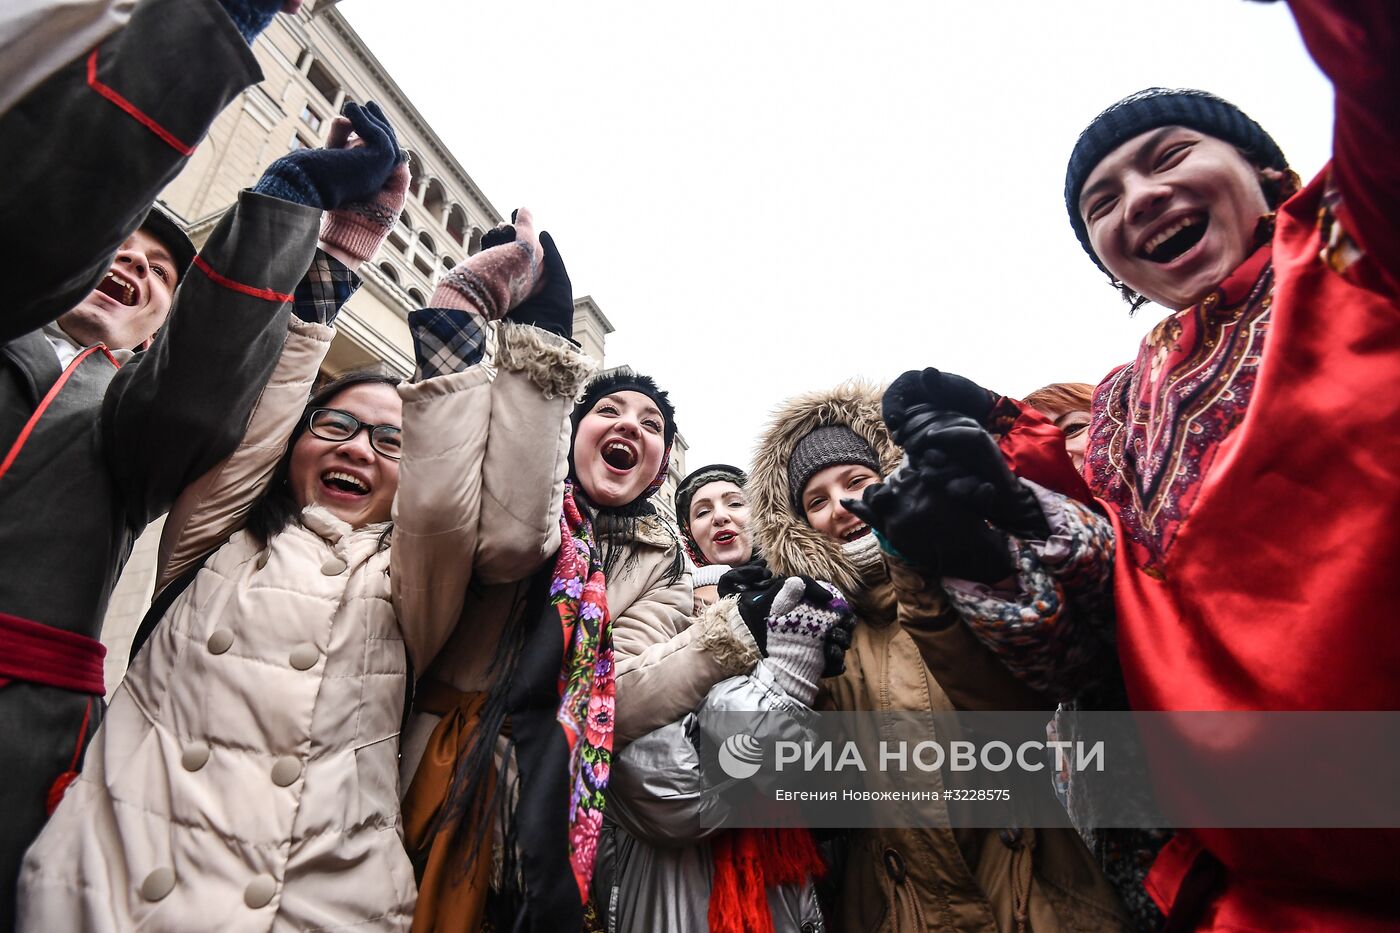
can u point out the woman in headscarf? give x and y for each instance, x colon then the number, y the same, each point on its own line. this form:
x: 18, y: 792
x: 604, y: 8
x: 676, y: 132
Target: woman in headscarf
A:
x: 712, y: 513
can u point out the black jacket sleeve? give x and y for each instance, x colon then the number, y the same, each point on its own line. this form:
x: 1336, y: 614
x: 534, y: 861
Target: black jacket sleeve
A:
x: 85, y: 153
x: 182, y: 406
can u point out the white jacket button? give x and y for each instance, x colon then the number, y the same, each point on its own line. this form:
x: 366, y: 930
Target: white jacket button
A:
x: 304, y: 656
x: 259, y: 891
x: 158, y: 884
x: 195, y: 756
x: 262, y: 558
x: 285, y: 771
x: 220, y: 641
x: 333, y: 566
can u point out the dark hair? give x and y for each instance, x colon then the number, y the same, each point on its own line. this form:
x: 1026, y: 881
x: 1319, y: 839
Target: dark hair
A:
x: 277, y: 508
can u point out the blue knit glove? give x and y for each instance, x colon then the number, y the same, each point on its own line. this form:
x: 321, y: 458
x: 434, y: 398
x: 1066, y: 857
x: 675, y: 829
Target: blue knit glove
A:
x: 252, y: 16
x: 329, y: 178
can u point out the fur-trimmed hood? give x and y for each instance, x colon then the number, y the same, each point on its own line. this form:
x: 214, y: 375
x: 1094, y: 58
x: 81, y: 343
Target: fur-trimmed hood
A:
x: 788, y: 543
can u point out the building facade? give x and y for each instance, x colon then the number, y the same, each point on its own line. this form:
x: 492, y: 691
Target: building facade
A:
x: 312, y: 64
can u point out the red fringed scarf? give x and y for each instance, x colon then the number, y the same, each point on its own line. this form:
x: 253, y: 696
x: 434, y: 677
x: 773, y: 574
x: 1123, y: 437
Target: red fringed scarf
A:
x: 750, y: 861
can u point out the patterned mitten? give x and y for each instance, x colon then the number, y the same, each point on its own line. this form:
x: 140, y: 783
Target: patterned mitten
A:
x: 803, y: 613
x: 357, y: 228
x: 253, y: 16
x: 498, y: 278
x: 330, y: 178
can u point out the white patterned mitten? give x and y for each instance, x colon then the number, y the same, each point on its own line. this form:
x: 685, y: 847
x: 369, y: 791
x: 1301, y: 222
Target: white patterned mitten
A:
x: 803, y: 612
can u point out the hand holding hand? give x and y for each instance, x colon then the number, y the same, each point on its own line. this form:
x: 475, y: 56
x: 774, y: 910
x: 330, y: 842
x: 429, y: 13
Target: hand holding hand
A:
x: 931, y: 531
x: 503, y: 274
x: 755, y: 588
x: 552, y: 307
x: 354, y: 231
x: 800, y: 620
x: 339, y: 173
x: 964, y: 462
x: 939, y: 391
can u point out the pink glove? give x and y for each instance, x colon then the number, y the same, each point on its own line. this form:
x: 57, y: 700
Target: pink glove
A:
x: 496, y: 280
x: 357, y: 229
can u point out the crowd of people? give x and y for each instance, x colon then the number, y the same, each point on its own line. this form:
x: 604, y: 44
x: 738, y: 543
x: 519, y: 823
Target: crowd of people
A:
x: 425, y: 655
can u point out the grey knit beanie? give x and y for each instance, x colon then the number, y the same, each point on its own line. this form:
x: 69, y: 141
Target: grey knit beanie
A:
x: 829, y: 445
x: 1149, y: 109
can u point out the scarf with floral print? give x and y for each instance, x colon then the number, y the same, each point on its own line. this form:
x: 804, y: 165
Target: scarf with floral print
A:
x: 562, y: 721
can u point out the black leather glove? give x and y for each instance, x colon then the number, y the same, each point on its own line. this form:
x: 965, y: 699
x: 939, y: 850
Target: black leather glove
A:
x: 838, y: 640
x: 756, y: 588
x: 932, y: 389
x: 958, y: 457
x: 331, y: 178
x: 931, y: 531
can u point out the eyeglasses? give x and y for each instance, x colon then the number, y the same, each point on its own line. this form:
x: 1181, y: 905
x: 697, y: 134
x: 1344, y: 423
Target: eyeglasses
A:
x: 332, y: 424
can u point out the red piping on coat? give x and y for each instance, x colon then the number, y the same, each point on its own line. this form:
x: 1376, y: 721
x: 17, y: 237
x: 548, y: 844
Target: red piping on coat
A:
x: 266, y: 294
x: 49, y: 396
x: 132, y: 110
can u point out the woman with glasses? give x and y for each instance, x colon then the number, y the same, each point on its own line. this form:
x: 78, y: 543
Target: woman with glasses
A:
x: 247, y: 773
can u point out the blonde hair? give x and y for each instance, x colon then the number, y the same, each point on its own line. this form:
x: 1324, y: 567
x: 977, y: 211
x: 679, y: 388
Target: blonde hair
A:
x: 1061, y: 398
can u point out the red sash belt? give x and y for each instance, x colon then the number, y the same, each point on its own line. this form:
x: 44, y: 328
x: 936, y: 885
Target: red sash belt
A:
x: 40, y: 654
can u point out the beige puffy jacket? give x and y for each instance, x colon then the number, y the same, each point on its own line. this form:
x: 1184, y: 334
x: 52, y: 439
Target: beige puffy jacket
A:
x: 916, y: 879
x: 247, y: 774
x: 665, y: 665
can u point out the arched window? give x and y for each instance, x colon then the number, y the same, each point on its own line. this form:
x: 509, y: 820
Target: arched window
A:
x: 415, y: 296
x: 426, y: 244
x: 390, y: 272
x: 457, y: 224
x: 474, y: 241
x: 435, y: 199
x: 448, y: 263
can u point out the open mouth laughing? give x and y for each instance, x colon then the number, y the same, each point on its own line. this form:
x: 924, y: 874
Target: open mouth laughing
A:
x: 724, y: 537
x: 345, y: 485
x: 855, y: 534
x: 119, y: 288
x: 620, y: 456
x: 1173, y: 240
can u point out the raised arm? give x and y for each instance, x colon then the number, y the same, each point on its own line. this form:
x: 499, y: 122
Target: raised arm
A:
x: 184, y: 405
x: 486, y: 440
x: 89, y: 148
x: 180, y: 407
x: 668, y: 662
x: 1356, y: 43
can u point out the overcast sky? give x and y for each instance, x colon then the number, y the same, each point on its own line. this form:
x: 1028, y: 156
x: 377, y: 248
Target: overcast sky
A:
x: 767, y: 197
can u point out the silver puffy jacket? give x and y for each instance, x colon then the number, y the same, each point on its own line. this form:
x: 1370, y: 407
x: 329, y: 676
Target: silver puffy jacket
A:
x: 655, y: 865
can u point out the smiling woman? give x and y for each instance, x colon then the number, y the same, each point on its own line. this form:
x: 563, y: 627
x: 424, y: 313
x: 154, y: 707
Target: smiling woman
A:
x: 351, y: 478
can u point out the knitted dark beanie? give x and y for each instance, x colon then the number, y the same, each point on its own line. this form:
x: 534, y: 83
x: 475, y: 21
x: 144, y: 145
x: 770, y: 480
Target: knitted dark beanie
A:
x: 624, y: 379
x: 827, y: 446
x: 1149, y: 109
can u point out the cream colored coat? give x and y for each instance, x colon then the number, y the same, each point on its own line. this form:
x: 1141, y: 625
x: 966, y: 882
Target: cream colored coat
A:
x: 246, y: 777
x: 665, y: 665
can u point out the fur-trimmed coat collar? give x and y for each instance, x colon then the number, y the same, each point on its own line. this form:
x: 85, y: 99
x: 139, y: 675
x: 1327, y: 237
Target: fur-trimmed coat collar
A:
x: 788, y: 543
